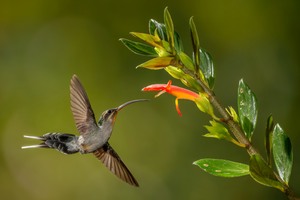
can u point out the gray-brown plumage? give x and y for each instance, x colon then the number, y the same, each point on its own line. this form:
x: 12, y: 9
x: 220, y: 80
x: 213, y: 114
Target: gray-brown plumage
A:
x: 93, y: 136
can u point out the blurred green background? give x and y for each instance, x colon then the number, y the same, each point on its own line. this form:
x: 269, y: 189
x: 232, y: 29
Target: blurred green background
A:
x: 42, y: 43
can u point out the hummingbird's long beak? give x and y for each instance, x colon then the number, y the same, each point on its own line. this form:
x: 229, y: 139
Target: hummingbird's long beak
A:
x: 130, y: 102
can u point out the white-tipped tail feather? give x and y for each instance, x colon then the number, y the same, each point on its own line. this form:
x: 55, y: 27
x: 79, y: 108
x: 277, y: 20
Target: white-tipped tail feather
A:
x: 33, y: 146
x: 33, y: 137
x: 63, y: 142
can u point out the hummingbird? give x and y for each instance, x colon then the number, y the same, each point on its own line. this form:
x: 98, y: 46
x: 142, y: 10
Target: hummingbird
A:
x: 93, y: 136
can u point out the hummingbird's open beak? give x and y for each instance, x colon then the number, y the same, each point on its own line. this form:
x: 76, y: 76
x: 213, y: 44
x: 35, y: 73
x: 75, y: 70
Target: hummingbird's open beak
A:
x: 130, y: 102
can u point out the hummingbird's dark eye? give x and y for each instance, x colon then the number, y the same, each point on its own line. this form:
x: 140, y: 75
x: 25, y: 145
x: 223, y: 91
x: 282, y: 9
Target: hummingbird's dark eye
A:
x: 108, y: 113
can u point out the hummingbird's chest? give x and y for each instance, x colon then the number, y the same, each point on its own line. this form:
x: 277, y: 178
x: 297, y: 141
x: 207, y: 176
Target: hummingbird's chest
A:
x: 93, y: 141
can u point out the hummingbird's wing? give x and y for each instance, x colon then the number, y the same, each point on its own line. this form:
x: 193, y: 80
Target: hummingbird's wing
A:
x: 114, y: 163
x: 81, y: 108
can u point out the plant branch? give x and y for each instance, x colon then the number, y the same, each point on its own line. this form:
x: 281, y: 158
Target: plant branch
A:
x: 232, y: 125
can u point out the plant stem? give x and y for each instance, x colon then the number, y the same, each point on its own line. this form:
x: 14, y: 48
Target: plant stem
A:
x: 232, y: 125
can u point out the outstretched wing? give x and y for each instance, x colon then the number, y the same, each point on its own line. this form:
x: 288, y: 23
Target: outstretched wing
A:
x: 81, y: 108
x: 114, y: 163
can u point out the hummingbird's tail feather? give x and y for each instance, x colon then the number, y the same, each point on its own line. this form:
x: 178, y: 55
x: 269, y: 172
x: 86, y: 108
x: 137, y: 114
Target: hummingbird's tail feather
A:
x: 34, y: 146
x: 33, y: 137
x: 114, y: 163
x: 63, y: 142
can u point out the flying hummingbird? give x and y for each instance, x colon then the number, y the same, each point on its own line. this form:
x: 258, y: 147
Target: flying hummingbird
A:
x: 93, y: 136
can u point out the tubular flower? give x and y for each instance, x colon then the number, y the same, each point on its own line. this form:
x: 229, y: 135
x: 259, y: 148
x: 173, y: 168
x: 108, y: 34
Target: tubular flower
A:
x: 178, y: 92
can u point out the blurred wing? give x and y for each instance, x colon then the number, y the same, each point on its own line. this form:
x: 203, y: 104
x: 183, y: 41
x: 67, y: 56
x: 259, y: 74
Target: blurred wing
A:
x: 81, y: 108
x: 114, y: 163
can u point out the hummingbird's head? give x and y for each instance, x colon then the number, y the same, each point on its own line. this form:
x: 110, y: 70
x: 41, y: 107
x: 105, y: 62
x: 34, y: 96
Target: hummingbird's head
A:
x: 109, y: 116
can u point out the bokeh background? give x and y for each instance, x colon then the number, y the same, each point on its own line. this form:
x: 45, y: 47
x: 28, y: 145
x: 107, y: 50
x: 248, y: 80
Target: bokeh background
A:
x: 42, y: 43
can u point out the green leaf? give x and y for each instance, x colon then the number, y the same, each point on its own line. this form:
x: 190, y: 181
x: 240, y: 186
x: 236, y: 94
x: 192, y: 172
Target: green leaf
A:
x: 178, y: 42
x: 195, y: 43
x: 169, y: 27
x: 247, y: 108
x: 139, y: 48
x: 204, y: 105
x: 159, y: 28
x: 282, y: 153
x: 268, y: 139
x: 262, y: 173
x: 186, y: 60
x: 175, y: 72
x: 186, y: 79
x: 207, y: 67
x: 191, y: 83
x: 223, y: 168
x: 157, y: 63
x: 217, y: 130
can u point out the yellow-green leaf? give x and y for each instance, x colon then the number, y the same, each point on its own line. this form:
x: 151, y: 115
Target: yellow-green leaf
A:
x: 205, y: 106
x: 230, y: 110
x: 157, y: 63
x: 150, y: 39
x: 217, y: 130
x: 186, y: 60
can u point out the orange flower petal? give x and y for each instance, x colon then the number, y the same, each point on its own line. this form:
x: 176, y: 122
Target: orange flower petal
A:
x: 178, y: 92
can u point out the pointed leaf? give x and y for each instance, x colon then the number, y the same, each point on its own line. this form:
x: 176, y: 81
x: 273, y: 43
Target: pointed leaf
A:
x: 159, y: 28
x: 139, y: 48
x: 223, y: 168
x: 150, y: 39
x: 186, y: 60
x: 185, y: 78
x: 191, y: 83
x: 207, y: 67
x: 175, y: 72
x: 230, y: 110
x: 169, y: 28
x: 262, y: 173
x: 157, y: 63
x: 196, y: 44
x: 282, y: 153
x: 247, y: 108
x: 178, y: 42
x: 217, y: 130
x: 205, y: 106
x: 268, y: 139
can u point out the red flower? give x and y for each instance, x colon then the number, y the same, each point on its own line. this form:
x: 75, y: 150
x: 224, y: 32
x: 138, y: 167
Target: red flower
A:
x: 178, y: 92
